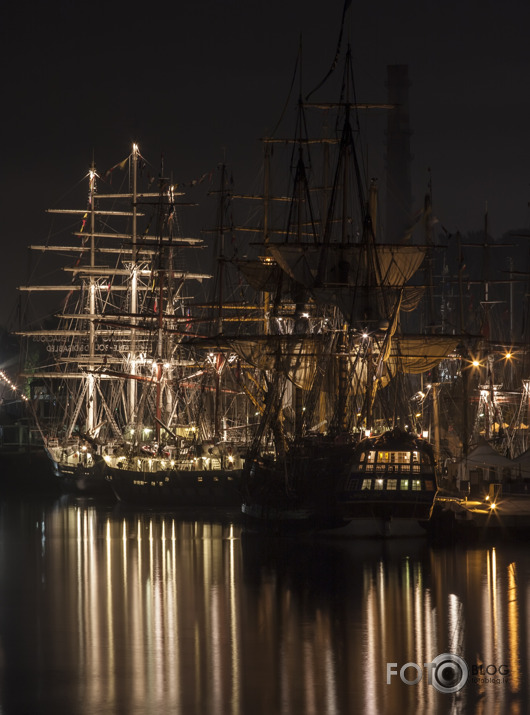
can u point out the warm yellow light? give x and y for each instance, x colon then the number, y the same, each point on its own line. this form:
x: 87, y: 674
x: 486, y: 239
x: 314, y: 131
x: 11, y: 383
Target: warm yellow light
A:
x: 508, y: 356
x: 476, y: 363
x: 493, y: 505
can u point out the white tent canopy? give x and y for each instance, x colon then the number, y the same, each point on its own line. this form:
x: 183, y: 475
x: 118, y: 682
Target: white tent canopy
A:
x: 484, y: 457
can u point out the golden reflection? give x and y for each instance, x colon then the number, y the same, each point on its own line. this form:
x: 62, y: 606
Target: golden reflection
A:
x: 456, y: 624
x: 371, y: 704
x: 110, y: 647
x: 513, y: 629
x: 196, y: 617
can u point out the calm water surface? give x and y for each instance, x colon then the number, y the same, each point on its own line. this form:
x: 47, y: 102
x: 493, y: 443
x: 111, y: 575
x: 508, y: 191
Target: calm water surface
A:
x: 110, y: 611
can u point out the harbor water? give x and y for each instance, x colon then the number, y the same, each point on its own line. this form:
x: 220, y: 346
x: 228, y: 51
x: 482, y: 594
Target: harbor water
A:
x: 106, y: 610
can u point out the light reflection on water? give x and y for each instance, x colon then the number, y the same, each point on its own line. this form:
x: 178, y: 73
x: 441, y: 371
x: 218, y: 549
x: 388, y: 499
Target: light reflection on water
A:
x: 105, y: 611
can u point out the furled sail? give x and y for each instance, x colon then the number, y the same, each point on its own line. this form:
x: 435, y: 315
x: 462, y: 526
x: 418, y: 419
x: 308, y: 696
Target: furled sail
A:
x: 419, y: 353
x: 262, y: 275
x: 363, y: 281
x: 294, y: 356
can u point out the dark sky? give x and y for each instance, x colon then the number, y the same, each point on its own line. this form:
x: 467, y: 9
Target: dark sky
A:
x: 193, y: 80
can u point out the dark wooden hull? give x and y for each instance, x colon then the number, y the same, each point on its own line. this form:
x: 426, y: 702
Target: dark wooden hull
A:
x: 177, y: 488
x: 82, y: 479
x: 322, y: 486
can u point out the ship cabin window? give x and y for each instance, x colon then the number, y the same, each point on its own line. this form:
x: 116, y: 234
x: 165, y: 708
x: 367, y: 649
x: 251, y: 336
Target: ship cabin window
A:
x: 367, y: 484
x: 403, y: 484
x: 391, y: 484
x: 416, y: 485
x: 370, y: 460
x: 378, y: 484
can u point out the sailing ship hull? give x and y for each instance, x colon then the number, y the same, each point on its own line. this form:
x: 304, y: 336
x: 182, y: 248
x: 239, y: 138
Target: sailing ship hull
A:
x: 383, y: 486
x: 79, y: 478
x: 296, y: 492
x: 177, y: 487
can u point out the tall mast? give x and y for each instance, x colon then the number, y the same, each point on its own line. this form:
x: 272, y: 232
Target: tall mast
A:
x: 218, y: 359
x: 132, y: 383
x: 266, y: 216
x: 91, y: 392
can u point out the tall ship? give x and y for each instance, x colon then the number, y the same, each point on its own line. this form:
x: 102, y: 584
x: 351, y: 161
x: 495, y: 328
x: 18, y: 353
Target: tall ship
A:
x: 335, y: 448
x: 123, y: 403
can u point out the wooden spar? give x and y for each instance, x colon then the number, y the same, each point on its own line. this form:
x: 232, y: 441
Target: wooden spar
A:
x: 82, y: 212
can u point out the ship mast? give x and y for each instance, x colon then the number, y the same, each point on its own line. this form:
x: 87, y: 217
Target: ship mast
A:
x: 91, y: 396
x: 132, y: 383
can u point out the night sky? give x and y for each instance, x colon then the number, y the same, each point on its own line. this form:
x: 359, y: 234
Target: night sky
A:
x: 197, y: 81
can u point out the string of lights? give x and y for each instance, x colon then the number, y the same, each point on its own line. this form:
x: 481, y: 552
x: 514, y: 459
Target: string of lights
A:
x: 4, y: 378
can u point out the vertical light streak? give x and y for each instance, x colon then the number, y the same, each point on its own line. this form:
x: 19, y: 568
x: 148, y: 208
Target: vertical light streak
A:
x: 331, y: 681
x: 158, y: 640
x: 499, y: 620
x: 80, y: 589
x: 234, y: 628
x: 163, y: 551
x: 125, y: 589
x: 110, y: 665
x: 216, y: 654
x: 431, y: 650
x: 513, y: 629
x: 407, y: 606
x: 454, y: 624
x: 382, y: 600
x: 372, y: 664
x: 310, y: 674
x: 419, y: 626
x: 172, y: 635
x: 495, y: 604
x: 138, y: 645
x: 488, y: 617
